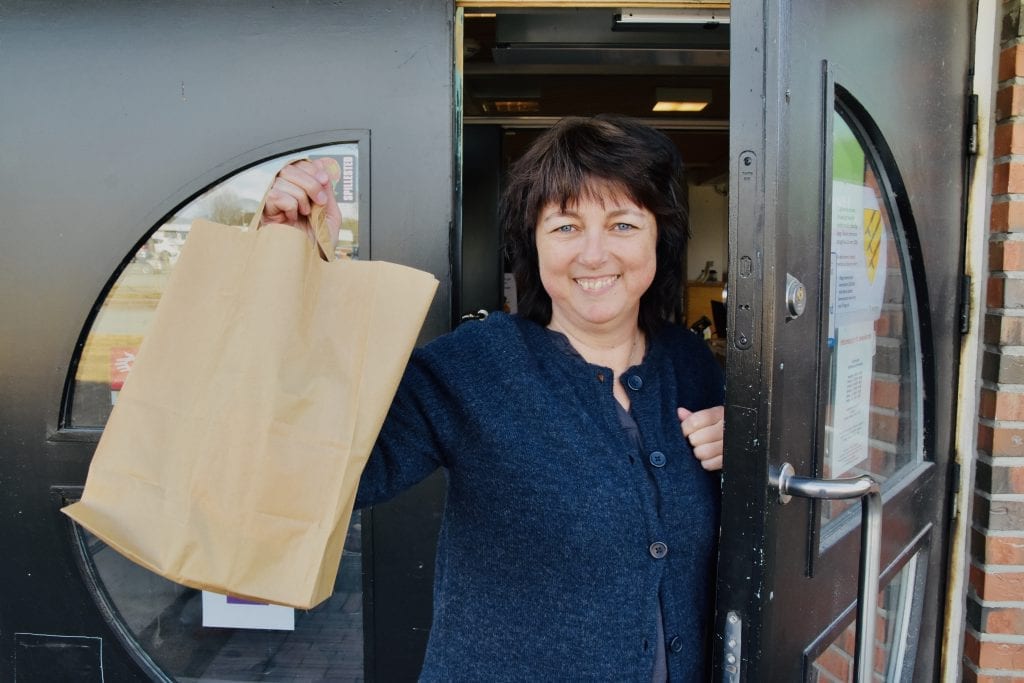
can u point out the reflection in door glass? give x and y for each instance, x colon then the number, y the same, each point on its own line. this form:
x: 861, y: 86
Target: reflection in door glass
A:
x: 121, y: 321
x: 893, y: 656
x: 872, y: 421
x: 168, y: 621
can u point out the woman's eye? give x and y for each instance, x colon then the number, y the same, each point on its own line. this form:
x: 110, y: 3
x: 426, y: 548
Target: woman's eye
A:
x: 623, y: 227
x: 564, y: 228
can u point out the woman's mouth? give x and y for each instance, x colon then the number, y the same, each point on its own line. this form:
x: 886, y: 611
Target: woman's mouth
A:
x: 596, y: 284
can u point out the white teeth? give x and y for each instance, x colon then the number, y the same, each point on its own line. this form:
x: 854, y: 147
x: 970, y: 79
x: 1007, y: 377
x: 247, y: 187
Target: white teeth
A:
x: 593, y: 284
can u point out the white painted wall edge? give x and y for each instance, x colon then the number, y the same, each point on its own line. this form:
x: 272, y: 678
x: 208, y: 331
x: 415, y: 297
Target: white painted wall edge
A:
x: 979, y: 203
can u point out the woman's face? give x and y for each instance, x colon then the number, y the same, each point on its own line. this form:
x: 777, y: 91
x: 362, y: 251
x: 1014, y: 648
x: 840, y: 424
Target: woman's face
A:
x: 596, y: 258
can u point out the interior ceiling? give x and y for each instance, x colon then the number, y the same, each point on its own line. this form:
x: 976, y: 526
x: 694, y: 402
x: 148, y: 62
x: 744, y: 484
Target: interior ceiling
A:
x: 523, y: 69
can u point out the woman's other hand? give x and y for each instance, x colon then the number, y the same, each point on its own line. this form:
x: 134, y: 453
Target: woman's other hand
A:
x: 705, y: 430
x: 296, y: 189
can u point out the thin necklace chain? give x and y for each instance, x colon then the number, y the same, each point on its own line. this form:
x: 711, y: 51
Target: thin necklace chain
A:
x: 632, y: 349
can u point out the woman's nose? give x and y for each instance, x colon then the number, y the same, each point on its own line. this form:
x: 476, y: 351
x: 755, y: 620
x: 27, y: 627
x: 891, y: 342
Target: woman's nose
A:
x: 594, y: 249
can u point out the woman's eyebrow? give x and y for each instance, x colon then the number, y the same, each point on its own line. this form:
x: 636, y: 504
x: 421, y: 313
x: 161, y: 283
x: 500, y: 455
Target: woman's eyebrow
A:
x: 559, y: 214
x: 625, y: 212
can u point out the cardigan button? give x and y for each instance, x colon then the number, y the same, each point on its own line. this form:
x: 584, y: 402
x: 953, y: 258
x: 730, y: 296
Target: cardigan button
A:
x: 676, y: 644
x: 658, y: 550
x: 657, y: 459
x: 635, y: 382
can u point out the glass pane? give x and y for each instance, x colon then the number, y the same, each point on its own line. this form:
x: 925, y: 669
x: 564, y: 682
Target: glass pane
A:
x: 892, y: 627
x: 121, y: 322
x: 873, y: 423
x: 166, y: 619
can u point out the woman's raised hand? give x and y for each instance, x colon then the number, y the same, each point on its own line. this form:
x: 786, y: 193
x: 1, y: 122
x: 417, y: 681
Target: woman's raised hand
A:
x: 705, y: 430
x: 296, y: 189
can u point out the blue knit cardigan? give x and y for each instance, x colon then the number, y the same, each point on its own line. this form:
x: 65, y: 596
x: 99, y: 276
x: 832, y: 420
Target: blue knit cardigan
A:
x: 551, y: 556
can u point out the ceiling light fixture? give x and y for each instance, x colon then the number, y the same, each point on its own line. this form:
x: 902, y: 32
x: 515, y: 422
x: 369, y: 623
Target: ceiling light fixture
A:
x: 681, y: 99
x: 630, y: 18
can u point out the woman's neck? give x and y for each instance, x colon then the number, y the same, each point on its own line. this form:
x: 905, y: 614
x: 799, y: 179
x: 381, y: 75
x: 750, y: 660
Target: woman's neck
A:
x: 618, y: 350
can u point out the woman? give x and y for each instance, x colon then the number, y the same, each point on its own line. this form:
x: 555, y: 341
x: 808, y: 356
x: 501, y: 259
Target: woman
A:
x: 580, y: 523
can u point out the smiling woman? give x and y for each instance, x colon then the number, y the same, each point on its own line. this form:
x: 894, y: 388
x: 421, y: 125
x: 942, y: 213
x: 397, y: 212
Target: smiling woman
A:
x: 570, y: 447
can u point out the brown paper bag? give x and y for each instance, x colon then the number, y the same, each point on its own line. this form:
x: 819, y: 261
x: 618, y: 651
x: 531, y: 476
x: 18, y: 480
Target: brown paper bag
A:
x: 231, y: 460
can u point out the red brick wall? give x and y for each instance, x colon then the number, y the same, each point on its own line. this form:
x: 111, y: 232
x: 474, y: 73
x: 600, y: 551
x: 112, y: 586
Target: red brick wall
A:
x: 994, y: 639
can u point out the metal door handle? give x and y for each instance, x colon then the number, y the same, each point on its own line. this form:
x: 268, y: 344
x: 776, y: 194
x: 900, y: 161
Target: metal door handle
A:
x: 867, y: 489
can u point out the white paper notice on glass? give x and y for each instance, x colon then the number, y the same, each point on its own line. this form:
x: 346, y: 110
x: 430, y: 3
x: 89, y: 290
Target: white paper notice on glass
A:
x: 224, y: 611
x: 859, y: 256
x: 509, y: 293
x: 851, y: 398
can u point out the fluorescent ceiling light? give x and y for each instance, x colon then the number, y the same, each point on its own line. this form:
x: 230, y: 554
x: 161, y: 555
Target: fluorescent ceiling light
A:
x: 681, y: 99
x: 670, y: 16
x: 679, y: 106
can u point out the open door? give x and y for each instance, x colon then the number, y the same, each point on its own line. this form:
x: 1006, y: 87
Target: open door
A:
x: 847, y: 139
x: 130, y: 120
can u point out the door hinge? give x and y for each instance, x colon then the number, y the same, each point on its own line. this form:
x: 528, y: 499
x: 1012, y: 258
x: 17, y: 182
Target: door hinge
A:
x: 965, y: 304
x: 972, y: 124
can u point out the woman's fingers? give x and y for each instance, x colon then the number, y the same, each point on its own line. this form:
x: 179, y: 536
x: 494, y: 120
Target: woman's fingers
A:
x: 285, y: 203
x: 297, y: 187
x: 705, y: 430
x: 712, y: 464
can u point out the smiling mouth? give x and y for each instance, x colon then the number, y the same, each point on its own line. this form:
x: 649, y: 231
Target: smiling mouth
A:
x: 596, y: 284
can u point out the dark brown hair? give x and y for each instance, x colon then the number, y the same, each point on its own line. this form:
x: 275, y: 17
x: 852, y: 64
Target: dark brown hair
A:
x: 571, y: 161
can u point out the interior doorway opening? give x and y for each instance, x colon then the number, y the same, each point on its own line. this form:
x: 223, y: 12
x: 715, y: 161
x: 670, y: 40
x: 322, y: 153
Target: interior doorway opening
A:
x: 524, y: 68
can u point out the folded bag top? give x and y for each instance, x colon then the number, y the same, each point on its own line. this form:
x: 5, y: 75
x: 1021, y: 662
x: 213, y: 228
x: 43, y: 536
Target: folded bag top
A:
x: 231, y: 460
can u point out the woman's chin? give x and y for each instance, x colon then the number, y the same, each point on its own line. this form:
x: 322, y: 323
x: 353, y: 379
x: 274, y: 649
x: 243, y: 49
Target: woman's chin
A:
x: 604, y: 318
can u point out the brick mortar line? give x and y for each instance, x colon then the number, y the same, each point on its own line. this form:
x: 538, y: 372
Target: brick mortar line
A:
x: 997, y: 533
x: 1005, y: 313
x: 994, y: 237
x: 1000, y: 460
x: 1000, y: 497
x: 1004, y: 639
x: 884, y: 446
x: 1005, y: 387
x: 1007, y: 350
x: 1004, y: 424
x: 987, y: 671
x: 996, y: 604
x: 990, y: 568
x: 1009, y: 83
x: 887, y: 412
x: 1009, y: 158
x: 1000, y: 274
x: 1007, y: 197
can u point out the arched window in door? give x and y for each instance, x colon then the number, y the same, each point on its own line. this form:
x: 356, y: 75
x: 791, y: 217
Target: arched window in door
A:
x: 172, y: 631
x: 874, y: 390
x: 874, y: 421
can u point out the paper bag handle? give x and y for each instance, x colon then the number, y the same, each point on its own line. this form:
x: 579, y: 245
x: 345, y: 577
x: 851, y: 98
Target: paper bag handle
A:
x: 317, y: 220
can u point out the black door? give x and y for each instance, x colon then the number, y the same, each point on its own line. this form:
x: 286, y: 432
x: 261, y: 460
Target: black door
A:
x: 845, y: 200
x: 129, y: 120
